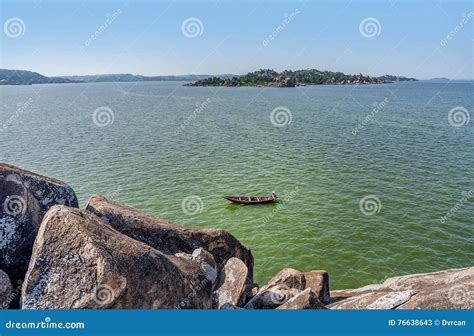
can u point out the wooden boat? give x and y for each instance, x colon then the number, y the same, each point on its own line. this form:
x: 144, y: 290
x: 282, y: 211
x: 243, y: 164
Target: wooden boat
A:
x: 252, y: 199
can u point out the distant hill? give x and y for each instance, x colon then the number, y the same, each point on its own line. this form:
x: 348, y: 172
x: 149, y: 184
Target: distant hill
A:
x: 23, y: 77
x: 138, y: 78
x: 439, y: 79
x: 289, y: 78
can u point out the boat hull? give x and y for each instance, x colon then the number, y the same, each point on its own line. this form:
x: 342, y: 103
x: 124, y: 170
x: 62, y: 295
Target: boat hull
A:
x: 250, y: 200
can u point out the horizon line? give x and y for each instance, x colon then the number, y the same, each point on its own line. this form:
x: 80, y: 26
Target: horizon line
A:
x: 230, y: 73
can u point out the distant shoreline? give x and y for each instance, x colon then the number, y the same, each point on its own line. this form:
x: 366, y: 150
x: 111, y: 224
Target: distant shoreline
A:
x: 260, y: 78
x: 24, y: 77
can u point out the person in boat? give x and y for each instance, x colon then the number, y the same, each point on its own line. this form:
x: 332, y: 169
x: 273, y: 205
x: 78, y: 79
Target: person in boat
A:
x: 274, y: 195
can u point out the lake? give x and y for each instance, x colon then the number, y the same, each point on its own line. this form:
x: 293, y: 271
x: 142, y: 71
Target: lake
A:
x: 373, y: 181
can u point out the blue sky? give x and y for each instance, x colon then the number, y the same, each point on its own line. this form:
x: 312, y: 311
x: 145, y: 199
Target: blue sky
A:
x: 146, y: 37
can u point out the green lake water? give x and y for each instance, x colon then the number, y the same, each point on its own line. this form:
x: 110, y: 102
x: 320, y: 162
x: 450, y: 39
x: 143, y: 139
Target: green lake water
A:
x: 406, y: 157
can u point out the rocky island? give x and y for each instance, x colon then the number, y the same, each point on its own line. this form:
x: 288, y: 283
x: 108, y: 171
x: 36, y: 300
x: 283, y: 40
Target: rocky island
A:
x: 288, y: 78
x: 54, y: 255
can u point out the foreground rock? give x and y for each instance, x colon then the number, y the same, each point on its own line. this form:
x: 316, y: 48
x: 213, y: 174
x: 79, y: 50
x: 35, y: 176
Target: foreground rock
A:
x: 318, y: 281
x: 79, y: 261
x: 306, y: 299
x: 229, y: 306
x: 376, y: 300
x: 6, y: 290
x: 24, y: 199
x: 449, y: 289
x: 167, y: 237
x: 207, y: 263
x: 282, y: 287
x: 271, y: 297
x: 290, y: 278
x: 234, y: 276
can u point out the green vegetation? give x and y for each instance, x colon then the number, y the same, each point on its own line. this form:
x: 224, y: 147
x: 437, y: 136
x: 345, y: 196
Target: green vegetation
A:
x: 288, y: 78
x: 23, y: 77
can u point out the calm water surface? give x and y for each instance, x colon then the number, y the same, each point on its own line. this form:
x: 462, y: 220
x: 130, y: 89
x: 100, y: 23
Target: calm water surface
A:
x: 407, y: 156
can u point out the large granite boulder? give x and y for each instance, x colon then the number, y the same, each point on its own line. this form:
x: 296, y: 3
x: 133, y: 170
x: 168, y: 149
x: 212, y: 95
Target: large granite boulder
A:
x: 306, y: 299
x: 167, y: 237
x: 251, y: 289
x: 375, y: 300
x: 24, y: 199
x: 283, y: 286
x: 318, y: 281
x: 284, y: 81
x: 290, y: 278
x: 229, y: 306
x: 448, y: 289
x: 271, y: 297
x: 78, y: 261
x: 6, y: 290
x: 234, y: 276
x: 207, y: 263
